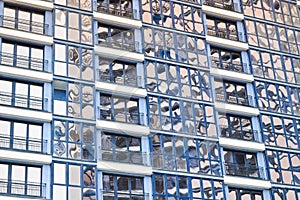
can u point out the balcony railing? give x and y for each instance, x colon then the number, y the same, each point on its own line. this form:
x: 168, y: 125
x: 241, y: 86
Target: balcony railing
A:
x: 23, y: 62
x: 23, y: 101
x: 23, y: 143
x: 249, y: 135
x: 223, y: 5
x: 251, y: 171
x: 132, y: 46
x: 128, y: 117
x: 130, y: 157
x: 232, y: 66
x: 245, y: 100
x: 122, y: 80
x: 128, y: 12
x: 22, y: 188
x: 226, y: 34
x: 109, y: 194
x: 25, y: 25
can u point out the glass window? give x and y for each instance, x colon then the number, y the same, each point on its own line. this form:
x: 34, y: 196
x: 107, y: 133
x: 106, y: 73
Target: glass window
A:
x: 170, y: 114
x: 74, y: 181
x: 74, y: 140
x: 283, y: 193
x: 243, y: 194
x: 119, y: 7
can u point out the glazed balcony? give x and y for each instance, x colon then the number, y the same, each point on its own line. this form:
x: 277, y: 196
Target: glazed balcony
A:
x: 18, y: 188
x: 244, y: 100
x: 225, y: 34
x: 108, y: 194
x: 120, y: 116
x: 250, y: 171
x: 128, y: 12
x: 131, y: 46
x: 115, y: 77
x: 234, y: 66
x: 246, y: 135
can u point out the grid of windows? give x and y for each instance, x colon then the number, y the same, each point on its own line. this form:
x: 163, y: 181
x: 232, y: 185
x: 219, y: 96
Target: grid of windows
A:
x: 175, y: 115
x: 284, y: 167
x: 178, y: 81
x: 173, y: 15
x: 281, y: 131
x: 174, y: 153
x: 79, y: 4
x: 73, y: 181
x: 244, y: 194
x: 285, y: 194
x: 175, y: 47
x: 180, y: 187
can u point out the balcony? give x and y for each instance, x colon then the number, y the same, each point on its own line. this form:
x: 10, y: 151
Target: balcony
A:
x: 23, y: 144
x: 119, y: 116
x: 22, y: 101
x: 115, y: 77
x: 250, y: 171
x: 18, y: 188
x: 247, y: 135
x: 244, y: 100
x: 223, y: 5
x: 226, y: 34
x: 132, y: 46
x: 107, y: 194
x: 25, y: 25
x: 128, y: 157
x: 232, y: 66
x: 128, y: 12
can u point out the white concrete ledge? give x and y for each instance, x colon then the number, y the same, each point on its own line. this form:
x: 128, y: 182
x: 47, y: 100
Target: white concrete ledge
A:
x: 124, y: 168
x: 41, y: 4
x: 26, y: 36
x: 231, y: 15
x: 222, y: 42
x: 241, y: 144
x: 129, y: 129
x: 231, y: 75
x: 26, y: 73
x: 22, y: 113
x: 25, y: 157
x: 119, y: 54
x: 117, y: 20
x: 121, y: 89
x: 247, y: 182
x: 238, y: 109
x: 298, y: 4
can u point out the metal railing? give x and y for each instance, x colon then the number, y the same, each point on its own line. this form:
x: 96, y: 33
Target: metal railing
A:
x: 118, y: 116
x: 130, y: 157
x: 223, y: 5
x: 245, y: 100
x: 25, y: 25
x: 23, y: 143
x: 226, y: 34
x: 23, y: 101
x: 22, y: 188
x: 249, y: 135
x: 123, y: 79
x: 133, y: 46
x: 251, y: 171
x: 23, y: 62
x: 128, y: 12
x: 124, y: 195
x: 231, y: 66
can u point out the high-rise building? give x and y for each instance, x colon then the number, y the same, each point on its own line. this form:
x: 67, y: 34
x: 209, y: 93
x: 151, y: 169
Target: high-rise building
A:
x: 150, y: 99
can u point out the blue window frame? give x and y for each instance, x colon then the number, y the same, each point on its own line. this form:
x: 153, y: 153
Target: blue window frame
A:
x: 175, y: 47
x: 278, y: 98
x: 167, y: 186
x: 284, y: 167
x: 119, y: 7
x: 73, y: 62
x: 120, y: 109
x: 74, y: 99
x: 118, y: 72
x: 231, y: 92
x: 223, y: 4
x: 280, y: 131
x: 177, y: 81
x: 74, y: 181
x: 22, y: 136
x: 21, y: 180
x: 181, y: 116
x: 174, y: 153
x: 116, y: 187
x: 227, y: 59
x: 122, y: 148
x: 22, y: 94
x: 241, y: 194
x: 285, y: 194
x: 74, y: 140
x: 173, y: 15
x: 16, y: 54
x: 237, y: 127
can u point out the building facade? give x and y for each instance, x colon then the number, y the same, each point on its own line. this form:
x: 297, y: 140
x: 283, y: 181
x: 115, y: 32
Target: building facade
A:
x: 150, y: 99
